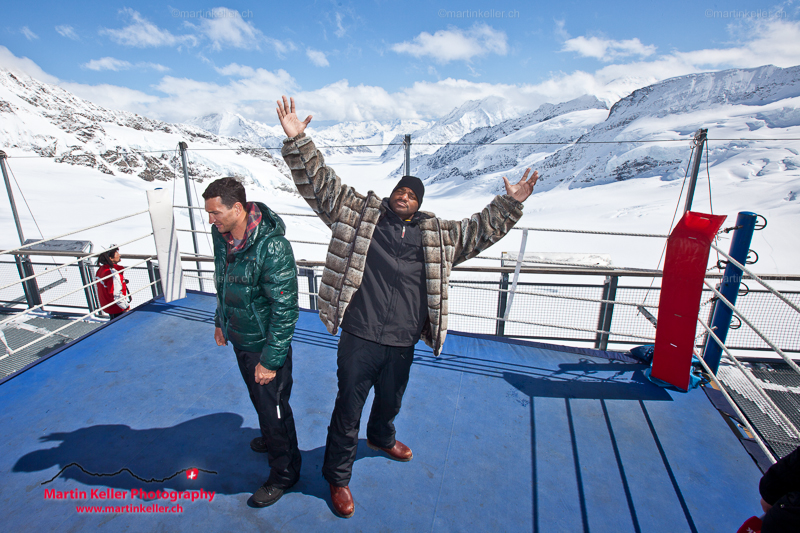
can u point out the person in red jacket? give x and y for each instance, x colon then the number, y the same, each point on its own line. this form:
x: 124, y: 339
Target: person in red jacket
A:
x: 113, y: 287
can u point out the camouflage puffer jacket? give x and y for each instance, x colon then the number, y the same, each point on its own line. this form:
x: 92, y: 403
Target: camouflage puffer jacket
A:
x: 352, y: 218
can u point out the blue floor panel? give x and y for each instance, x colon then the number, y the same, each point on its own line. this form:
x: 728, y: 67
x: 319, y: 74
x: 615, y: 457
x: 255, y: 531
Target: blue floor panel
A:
x: 506, y: 437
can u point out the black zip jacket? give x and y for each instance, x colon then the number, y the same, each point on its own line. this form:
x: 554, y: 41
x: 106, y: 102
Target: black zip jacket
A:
x: 391, y: 305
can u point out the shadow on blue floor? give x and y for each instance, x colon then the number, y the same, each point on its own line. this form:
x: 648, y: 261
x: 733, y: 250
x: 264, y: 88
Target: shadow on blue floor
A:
x: 506, y: 436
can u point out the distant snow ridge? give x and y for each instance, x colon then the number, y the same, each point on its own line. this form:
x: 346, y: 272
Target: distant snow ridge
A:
x: 342, y: 138
x: 353, y: 137
x: 45, y: 119
x: 236, y: 126
x: 473, y: 155
x: 580, y: 143
x: 725, y: 102
x: 472, y: 115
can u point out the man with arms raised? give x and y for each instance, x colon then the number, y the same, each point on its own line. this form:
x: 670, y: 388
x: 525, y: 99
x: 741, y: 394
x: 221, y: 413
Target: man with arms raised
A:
x: 385, y: 284
x: 256, y: 281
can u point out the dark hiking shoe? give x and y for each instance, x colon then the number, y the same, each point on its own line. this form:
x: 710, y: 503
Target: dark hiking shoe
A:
x: 265, y: 496
x: 258, y: 445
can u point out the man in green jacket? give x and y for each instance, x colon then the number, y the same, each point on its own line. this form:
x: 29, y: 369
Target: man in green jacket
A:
x: 256, y: 280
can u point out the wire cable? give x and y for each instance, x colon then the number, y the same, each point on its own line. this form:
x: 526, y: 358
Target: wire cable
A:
x: 553, y: 143
x: 18, y: 248
x: 677, y: 206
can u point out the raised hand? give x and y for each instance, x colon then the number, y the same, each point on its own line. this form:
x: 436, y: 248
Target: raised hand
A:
x: 292, y: 126
x: 523, y: 188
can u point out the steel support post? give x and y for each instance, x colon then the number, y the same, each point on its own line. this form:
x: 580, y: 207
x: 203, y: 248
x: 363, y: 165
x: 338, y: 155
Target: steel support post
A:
x: 606, y: 312
x: 699, y: 141
x: 312, y: 285
x: 183, y: 146
x: 88, y: 291
x: 407, y: 147
x: 502, y: 302
x: 155, y: 276
x: 30, y: 287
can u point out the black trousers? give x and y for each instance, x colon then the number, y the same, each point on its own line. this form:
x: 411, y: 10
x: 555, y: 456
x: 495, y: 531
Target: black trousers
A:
x: 274, y: 417
x: 361, y: 365
x: 784, y: 515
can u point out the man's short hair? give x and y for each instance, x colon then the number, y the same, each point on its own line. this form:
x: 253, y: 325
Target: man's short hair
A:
x: 229, y: 191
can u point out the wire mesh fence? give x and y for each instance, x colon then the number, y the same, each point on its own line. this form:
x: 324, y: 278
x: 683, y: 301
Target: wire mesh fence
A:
x: 554, y: 311
x: 56, y: 286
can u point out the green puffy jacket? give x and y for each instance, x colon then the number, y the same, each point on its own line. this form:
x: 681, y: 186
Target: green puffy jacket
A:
x: 257, y: 291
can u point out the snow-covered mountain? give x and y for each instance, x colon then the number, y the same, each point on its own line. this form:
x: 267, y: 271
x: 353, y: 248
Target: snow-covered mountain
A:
x: 341, y: 138
x: 600, y: 168
x: 236, y: 126
x: 43, y: 119
x: 648, y: 133
x: 371, y: 136
x: 335, y: 139
x: 471, y: 115
x: 735, y: 105
x: 475, y: 154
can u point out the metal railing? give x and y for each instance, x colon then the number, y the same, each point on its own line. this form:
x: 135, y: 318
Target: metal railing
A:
x: 509, y: 301
x: 68, y: 288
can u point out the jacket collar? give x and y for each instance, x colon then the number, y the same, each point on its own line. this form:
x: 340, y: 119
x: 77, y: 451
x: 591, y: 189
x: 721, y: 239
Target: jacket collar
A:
x: 270, y: 225
x: 253, y: 220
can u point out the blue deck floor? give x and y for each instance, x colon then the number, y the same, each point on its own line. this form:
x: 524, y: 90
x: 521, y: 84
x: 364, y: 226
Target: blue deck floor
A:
x: 506, y: 437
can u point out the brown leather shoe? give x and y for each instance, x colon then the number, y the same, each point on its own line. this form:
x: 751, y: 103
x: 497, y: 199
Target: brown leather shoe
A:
x: 398, y: 452
x: 342, y: 501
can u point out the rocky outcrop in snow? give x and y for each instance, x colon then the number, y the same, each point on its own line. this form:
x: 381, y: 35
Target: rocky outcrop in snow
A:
x: 49, y: 121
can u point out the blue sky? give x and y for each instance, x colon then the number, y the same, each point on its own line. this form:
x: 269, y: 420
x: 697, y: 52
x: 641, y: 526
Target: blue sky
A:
x: 378, y: 59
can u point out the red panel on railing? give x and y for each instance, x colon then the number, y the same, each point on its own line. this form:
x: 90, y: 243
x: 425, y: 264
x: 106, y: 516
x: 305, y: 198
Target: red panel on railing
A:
x: 681, y: 289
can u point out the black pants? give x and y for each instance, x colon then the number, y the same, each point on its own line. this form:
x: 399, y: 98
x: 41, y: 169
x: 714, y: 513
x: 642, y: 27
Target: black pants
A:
x: 361, y: 365
x: 275, y: 417
x: 784, y: 515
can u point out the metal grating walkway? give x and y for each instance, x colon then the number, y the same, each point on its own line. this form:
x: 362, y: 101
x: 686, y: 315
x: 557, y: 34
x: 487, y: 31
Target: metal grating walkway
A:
x: 782, y: 385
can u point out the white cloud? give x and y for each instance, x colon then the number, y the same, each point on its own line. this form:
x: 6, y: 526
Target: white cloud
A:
x: 235, y: 69
x: 317, y: 57
x: 107, y: 63
x: 606, y: 49
x: 24, y: 66
x: 116, y: 97
x: 226, y: 27
x: 26, y: 31
x: 154, y: 66
x: 252, y: 91
x: 773, y: 42
x: 455, y: 44
x: 280, y: 47
x: 560, y: 31
x: 110, y: 63
x: 340, y: 29
x: 142, y: 33
x: 68, y: 32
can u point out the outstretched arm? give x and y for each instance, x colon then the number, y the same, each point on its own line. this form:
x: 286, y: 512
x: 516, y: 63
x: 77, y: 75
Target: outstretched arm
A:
x: 317, y: 183
x: 478, y: 232
x: 292, y: 126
